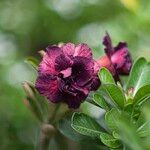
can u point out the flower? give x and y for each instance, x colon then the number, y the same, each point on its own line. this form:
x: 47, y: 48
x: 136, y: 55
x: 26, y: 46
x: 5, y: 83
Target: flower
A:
x: 67, y: 74
x: 117, y: 59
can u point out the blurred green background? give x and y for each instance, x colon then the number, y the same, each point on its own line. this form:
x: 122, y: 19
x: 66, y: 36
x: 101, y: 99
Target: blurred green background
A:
x: 27, y: 26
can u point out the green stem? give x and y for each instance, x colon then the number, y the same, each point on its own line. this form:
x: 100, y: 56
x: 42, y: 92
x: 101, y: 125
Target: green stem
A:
x: 54, y: 114
x: 47, y: 132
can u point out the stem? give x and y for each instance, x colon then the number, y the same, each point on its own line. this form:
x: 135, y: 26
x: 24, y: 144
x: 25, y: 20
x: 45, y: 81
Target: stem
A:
x: 47, y: 132
x: 52, y: 118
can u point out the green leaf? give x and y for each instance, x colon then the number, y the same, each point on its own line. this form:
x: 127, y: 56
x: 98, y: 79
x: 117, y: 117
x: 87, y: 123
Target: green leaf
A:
x: 111, y: 119
x: 33, y: 62
x: 128, y: 133
x: 142, y: 93
x: 110, y: 141
x: 100, y: 101
x: 144, y: 129
x: 116, y: 95
x: 105, y: 76
x: 139, y: 75
x: 64, y: 126
x: 85, y: 125
x: 116, y: 135
x: 91, y: 109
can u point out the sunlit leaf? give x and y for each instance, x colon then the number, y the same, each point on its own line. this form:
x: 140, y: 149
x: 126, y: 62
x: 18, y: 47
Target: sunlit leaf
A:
x: 105, y: 76
x: 139, y: 75
x: 142, y: 93
x: 116, y: 94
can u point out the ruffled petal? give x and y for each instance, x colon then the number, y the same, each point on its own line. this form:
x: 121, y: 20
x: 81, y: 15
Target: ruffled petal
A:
x: 62, y: 62
x: 95, y: 83
x: 83, y: 50
x: 47, y: 85
x: 120, y: 46
x: 121, y: 59
x: 74, y: 101
x: 68, y: 49
x: 108, y: 44
x: 82, y: 70
x: 47, y: 66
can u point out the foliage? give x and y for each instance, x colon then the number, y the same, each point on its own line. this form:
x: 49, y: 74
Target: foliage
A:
x: 126, y: 122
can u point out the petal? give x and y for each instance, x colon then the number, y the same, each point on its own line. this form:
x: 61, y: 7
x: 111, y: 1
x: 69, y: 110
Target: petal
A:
x: 108, y: 44
x: 96, y: 67
x: 62, y: 62
x: 68, y: 49
x: 104, y: 61
x: 47, y: 85
x: 82, y: 70
x: 83, y: 50
x: 121, y: 59
x: 120, y: 46
x: 74, y: 101
x: 95, y: 84
x: 48, y: 63
x: 67, y: 72
x: 73, y: 95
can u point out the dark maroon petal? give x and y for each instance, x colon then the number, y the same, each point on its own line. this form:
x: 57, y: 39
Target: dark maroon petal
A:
x: 74, y: 101
x: 73, y: 95
x: 48, y: 63
x: 83, y: 50
x: 122, y: 61
x: 68, y: 49
x: 95, y: 84
x: 108, y: 44
x: 82, y: 70
x: 47, y: 85
x: 125, y: 69
x: 120, y: 46
x: 62, y: 62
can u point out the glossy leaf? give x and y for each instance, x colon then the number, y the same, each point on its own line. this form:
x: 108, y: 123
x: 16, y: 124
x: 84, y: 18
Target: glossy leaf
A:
x: 105, y: 76
x: 116, y: 94
x: 85, y: 125
x: 139, y: 75
x: 100, y: 101
x: 142, y: 93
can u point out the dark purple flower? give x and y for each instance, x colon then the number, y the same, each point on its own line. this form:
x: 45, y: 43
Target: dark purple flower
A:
x: 67, y: 74
x: 117, y: 59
